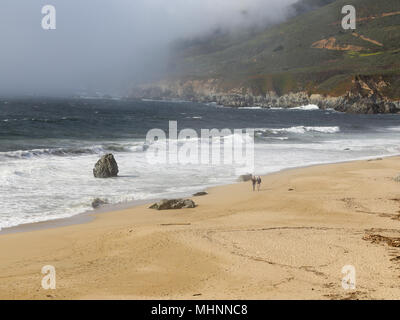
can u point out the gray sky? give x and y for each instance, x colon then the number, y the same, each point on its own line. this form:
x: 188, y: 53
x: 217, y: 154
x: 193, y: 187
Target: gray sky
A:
x: 107, y: 44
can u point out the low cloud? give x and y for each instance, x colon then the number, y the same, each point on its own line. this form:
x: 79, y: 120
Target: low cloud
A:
x: 105, y: 45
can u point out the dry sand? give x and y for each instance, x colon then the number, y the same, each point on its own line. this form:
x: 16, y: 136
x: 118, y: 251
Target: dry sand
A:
x: 289, y: 241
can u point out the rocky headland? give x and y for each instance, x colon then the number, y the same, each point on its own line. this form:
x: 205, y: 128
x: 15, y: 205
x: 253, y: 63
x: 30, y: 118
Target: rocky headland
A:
x: 366, y: 95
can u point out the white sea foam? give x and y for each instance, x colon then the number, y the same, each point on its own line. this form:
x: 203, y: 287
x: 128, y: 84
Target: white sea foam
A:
x: 300, y: 130
x: 49, y: 184
x: 397, y: 129
x: 71, y: 151
x: 250, y: 108
x: 309, y: 107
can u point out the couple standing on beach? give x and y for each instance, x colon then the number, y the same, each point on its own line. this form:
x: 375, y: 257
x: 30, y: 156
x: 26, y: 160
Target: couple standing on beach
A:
x: 255, y: 181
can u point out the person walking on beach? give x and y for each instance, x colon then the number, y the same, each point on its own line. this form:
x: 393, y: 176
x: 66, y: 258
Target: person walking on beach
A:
x: 254, y: 181
x: 259, y: 183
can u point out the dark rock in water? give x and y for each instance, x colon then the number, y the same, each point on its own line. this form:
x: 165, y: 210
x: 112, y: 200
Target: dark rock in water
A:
x: 200, y: 194
x: 245, y: 177
x: 173, y: 204
x: 106, y: 167
x: 98, y: 203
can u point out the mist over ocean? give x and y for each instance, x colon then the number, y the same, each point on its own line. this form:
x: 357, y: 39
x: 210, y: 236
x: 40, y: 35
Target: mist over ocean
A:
x: 48, y: 148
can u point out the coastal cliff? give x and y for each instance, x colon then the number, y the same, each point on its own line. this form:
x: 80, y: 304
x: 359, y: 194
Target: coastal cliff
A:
x: 366, y: 95
x: 308, y: 59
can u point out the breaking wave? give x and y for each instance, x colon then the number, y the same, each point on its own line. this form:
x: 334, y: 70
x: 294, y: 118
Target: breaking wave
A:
x: 45, y: 120
x: 309, y: 107
x: 74, y: 151
x: 299, y: 130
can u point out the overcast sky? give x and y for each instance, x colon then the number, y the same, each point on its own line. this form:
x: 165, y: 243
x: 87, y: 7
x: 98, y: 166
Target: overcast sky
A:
x: 107, y: 44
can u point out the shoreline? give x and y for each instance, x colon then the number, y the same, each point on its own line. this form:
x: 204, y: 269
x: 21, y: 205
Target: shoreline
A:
x: 90, y: 215
x: 80, y: 218
x: 288, y: 241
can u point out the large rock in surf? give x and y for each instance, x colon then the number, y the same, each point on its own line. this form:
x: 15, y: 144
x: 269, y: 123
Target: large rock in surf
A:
x: 173, y: 204
x: 106, y: 167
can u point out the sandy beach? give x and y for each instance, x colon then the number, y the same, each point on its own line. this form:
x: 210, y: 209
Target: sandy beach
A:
x: 288, y: 241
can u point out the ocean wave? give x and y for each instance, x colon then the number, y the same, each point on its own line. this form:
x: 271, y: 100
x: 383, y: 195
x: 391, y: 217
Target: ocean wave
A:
x: 280, y: 138
x: 394, y: 129
x: 46, y: 120
x: 74, y: 151
x: 299, y: 130
x: 140, y: 146
x: 309, y: 107
x: 195, y: 117
x: 234, y: 137
x: 250, y: 108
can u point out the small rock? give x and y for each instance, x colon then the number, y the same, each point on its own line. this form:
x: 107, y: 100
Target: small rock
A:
x: 98, y: 203
x: 200, y: 194
x: 106, y: 167
x: 173, y: 204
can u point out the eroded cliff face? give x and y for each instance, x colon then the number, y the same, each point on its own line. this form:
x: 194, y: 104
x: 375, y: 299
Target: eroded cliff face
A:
x: 367, y: 95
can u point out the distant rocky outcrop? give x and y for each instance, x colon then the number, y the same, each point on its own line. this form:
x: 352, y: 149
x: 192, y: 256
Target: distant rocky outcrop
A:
x: 367, y: 95
x: 397, y: 179
x: 173, y: 204
x: 106, y: 167
x: 96, y: 203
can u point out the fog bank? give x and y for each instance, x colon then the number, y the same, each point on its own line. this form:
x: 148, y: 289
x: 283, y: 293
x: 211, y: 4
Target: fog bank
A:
x: 106, y: 45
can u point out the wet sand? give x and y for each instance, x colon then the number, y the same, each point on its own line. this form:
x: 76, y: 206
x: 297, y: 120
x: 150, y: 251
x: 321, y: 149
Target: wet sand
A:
x: 288, y: 241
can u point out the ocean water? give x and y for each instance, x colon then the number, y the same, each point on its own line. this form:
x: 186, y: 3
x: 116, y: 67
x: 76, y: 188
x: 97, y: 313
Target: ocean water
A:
x: 48, y: 148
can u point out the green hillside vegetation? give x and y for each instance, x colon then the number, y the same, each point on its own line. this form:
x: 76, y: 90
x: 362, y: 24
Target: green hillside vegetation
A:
x: 291, y: 57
